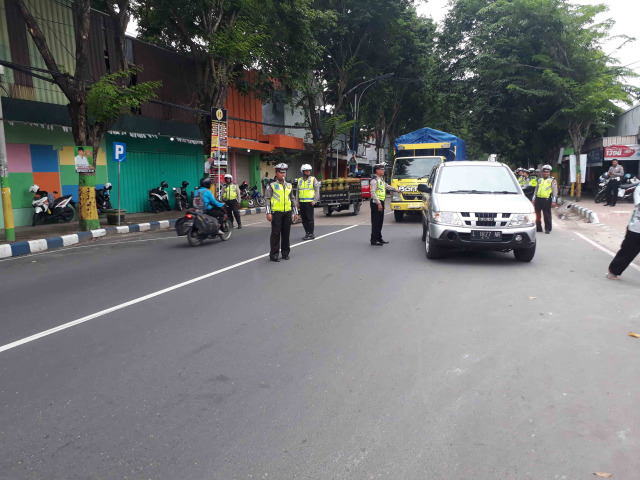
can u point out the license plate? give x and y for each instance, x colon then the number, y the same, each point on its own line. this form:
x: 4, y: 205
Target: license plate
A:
x: 486, y: 236
x: 415, y: 205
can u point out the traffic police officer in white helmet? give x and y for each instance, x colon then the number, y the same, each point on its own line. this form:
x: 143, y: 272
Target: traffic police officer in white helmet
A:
x: 544, y: 197
x: 230, y: 196
x: 378, y: 189
x: 279, y: 206
x: 307, y: 195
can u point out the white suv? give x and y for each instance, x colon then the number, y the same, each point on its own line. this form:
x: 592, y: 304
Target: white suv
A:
x: 476, y: 205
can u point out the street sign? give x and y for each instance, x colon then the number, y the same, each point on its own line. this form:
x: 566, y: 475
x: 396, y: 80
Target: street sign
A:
x: 119, y: 152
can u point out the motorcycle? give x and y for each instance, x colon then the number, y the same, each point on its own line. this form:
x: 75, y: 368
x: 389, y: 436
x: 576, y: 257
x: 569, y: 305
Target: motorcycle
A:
x: 181, y: 197
x: 625, y: 190
x: 199, y: 226
x: 49, y: 208
x: 251, y: 195
x: 103, y: 198
x: 159, y: 199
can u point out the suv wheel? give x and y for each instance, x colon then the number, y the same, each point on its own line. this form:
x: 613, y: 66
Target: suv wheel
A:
x: 525, y: 254
x: 424, y: 231
x: 431, y: 249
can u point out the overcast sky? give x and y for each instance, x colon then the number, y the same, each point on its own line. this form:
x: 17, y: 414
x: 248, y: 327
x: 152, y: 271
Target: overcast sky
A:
x: 626, y: 14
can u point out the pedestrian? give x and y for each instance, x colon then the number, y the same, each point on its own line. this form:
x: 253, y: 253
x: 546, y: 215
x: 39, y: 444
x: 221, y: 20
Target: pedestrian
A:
x: 307, y: 195
x: 630, y: 245
x: 544, y: 197
x: 378, y: 189
x: 212, y: 206
x: 279, y: 206
x: 615, y: 173
x: 230, y: 196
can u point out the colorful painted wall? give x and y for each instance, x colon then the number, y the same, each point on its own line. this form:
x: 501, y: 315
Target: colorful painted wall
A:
x: 44, y: 157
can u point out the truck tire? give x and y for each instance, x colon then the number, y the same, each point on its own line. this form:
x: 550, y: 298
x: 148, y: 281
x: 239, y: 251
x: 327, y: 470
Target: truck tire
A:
x: 356, y: 209
x: 398, y: 215
x: 525, y: 254
x: 329, y: 212
x: 432, y: 250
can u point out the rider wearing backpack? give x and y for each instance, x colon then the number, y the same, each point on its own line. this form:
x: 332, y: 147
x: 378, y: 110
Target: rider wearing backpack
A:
x: 211, y: 206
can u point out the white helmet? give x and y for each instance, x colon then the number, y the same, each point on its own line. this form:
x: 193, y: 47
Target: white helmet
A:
x: 305, y: 167
x: 282, y: 166
x: 546, y: 168
x: 229, y: 176
x: 34, y: 188
x: 107, y: 186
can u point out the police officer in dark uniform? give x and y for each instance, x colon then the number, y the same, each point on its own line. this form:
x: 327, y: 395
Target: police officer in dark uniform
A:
x: 280, y: 204
x: 378, y: 189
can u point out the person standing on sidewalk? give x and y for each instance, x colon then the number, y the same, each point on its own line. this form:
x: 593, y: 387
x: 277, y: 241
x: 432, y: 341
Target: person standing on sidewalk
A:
x: 544, y: 197
x: 230, y: 196
x: 378, y: 189
x: 279, y: 205
x: 615, y: 173
x: 630, y: 245
x: 307, y: 195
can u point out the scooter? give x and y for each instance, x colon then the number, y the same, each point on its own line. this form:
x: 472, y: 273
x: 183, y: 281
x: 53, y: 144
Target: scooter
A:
x: 103, y: 198
x: 199, y: 226
x: 49, y: 208
x: 181, y: 197
x: 625, y: 190
x: 159, y: 199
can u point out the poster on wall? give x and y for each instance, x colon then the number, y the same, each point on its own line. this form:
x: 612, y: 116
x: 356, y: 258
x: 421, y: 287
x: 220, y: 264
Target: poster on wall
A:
x: 572, y: 169
x: 84, y: 159
x: 583, y: 167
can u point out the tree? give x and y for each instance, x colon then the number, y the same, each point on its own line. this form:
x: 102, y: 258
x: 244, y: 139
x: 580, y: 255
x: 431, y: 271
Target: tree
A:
x: 93, y: 107
x: 228, y: 38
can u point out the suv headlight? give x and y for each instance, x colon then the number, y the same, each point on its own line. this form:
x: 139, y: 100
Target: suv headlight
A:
x: 522, y: 220
x: 395, y: 197
x: 447, y: 218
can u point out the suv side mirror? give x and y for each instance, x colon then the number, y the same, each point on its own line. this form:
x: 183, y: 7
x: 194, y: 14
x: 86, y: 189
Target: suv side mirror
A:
x: 424, y: 188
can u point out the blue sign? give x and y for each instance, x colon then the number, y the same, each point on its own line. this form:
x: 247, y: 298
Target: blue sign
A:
x: 119, y: 152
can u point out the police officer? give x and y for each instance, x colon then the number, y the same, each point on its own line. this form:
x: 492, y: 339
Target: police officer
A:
x: 520, y: 175
x: 378, y: 189
x: 307, y: 195
x: 532, y: 181
x: 544, y: 197
x: 279, y: 205
x: 230, y: 196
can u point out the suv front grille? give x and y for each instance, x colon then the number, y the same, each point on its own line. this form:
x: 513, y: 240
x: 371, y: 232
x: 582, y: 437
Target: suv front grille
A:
x: 485, y: 219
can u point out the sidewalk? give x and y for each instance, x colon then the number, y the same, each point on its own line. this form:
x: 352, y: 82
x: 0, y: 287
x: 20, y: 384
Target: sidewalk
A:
x: 617, y: 218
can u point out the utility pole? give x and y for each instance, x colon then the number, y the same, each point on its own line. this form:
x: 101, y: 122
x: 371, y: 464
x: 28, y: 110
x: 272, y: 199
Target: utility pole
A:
x: 7, y: 208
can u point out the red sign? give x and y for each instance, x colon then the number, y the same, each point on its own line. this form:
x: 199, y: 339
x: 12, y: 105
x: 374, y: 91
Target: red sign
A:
x: 621, y: 151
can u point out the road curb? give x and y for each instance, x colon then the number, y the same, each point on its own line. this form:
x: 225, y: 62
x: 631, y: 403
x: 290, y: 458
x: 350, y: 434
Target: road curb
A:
x: 589, y: 215
x: 28, y: 247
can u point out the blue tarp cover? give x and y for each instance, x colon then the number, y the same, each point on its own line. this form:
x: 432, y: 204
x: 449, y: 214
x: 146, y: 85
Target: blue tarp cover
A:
x: 429, y: 135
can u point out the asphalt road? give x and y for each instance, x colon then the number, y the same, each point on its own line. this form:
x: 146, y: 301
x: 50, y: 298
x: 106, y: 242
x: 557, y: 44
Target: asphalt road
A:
x: 347, y: 362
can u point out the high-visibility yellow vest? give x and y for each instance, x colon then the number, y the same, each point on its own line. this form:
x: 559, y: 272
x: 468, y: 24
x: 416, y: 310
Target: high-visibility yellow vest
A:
x: 306, y: 190
x: 545, y: 187
x: 381, y: 191
x: 522, y: 181
x: 229, y: 192
x: 281, y: 197
x: 533, y: 182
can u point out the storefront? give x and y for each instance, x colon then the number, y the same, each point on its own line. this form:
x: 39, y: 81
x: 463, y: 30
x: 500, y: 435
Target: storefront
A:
x: 627, y: 155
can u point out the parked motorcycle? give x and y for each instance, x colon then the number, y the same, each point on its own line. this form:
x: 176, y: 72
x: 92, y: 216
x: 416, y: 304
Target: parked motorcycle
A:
x: 199, y: 226
x: 625, y: 189
x: 103, y: 198
x: 48, y: 208
x: 251, y: 195
x: 159, y: 199
x: 181, y: 197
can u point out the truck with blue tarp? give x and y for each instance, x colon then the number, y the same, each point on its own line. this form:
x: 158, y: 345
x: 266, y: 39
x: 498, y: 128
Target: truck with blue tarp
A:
x: 415, y: 155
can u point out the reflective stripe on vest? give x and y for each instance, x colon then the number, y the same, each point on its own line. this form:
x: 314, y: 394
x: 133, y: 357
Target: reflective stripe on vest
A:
x: 533, y: 182
x: 229, y: 192
x: 280, y: 197
x: 381, y: 192
x: 306, y: 190
x: 545, y: 188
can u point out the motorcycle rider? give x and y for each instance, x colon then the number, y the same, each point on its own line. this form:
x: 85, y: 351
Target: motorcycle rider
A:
x: 279, y: 206
x: 230, y: 196
x: 212, y: 206
x: 544, y: 197
x: 307, y: 195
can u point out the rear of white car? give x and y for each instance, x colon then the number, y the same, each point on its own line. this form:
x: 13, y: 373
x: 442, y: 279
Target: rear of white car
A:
x: 477, y: 206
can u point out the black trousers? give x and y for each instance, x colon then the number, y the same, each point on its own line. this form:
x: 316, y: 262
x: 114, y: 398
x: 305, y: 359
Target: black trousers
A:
x: 612, y: 192
x: 543, y: 205
x: 216, y: 212
x: 306, y: 212
x: 628, y: 251
x: 377, y: 219
x: 234, y: 211
x: 280, y: 230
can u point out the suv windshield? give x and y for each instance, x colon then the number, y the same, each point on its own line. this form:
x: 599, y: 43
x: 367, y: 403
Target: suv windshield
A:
x: 476, y: 179
x: 414, y: 167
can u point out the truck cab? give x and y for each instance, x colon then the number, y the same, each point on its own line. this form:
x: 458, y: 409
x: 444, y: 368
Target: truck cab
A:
x: 413, y: 165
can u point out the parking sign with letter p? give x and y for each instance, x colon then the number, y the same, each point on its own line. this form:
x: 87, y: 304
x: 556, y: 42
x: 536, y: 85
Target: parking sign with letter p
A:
x: 119, y: 152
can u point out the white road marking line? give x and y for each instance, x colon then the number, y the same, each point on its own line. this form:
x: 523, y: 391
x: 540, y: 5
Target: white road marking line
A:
x: 604, y: 249
x: 135, y: 301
